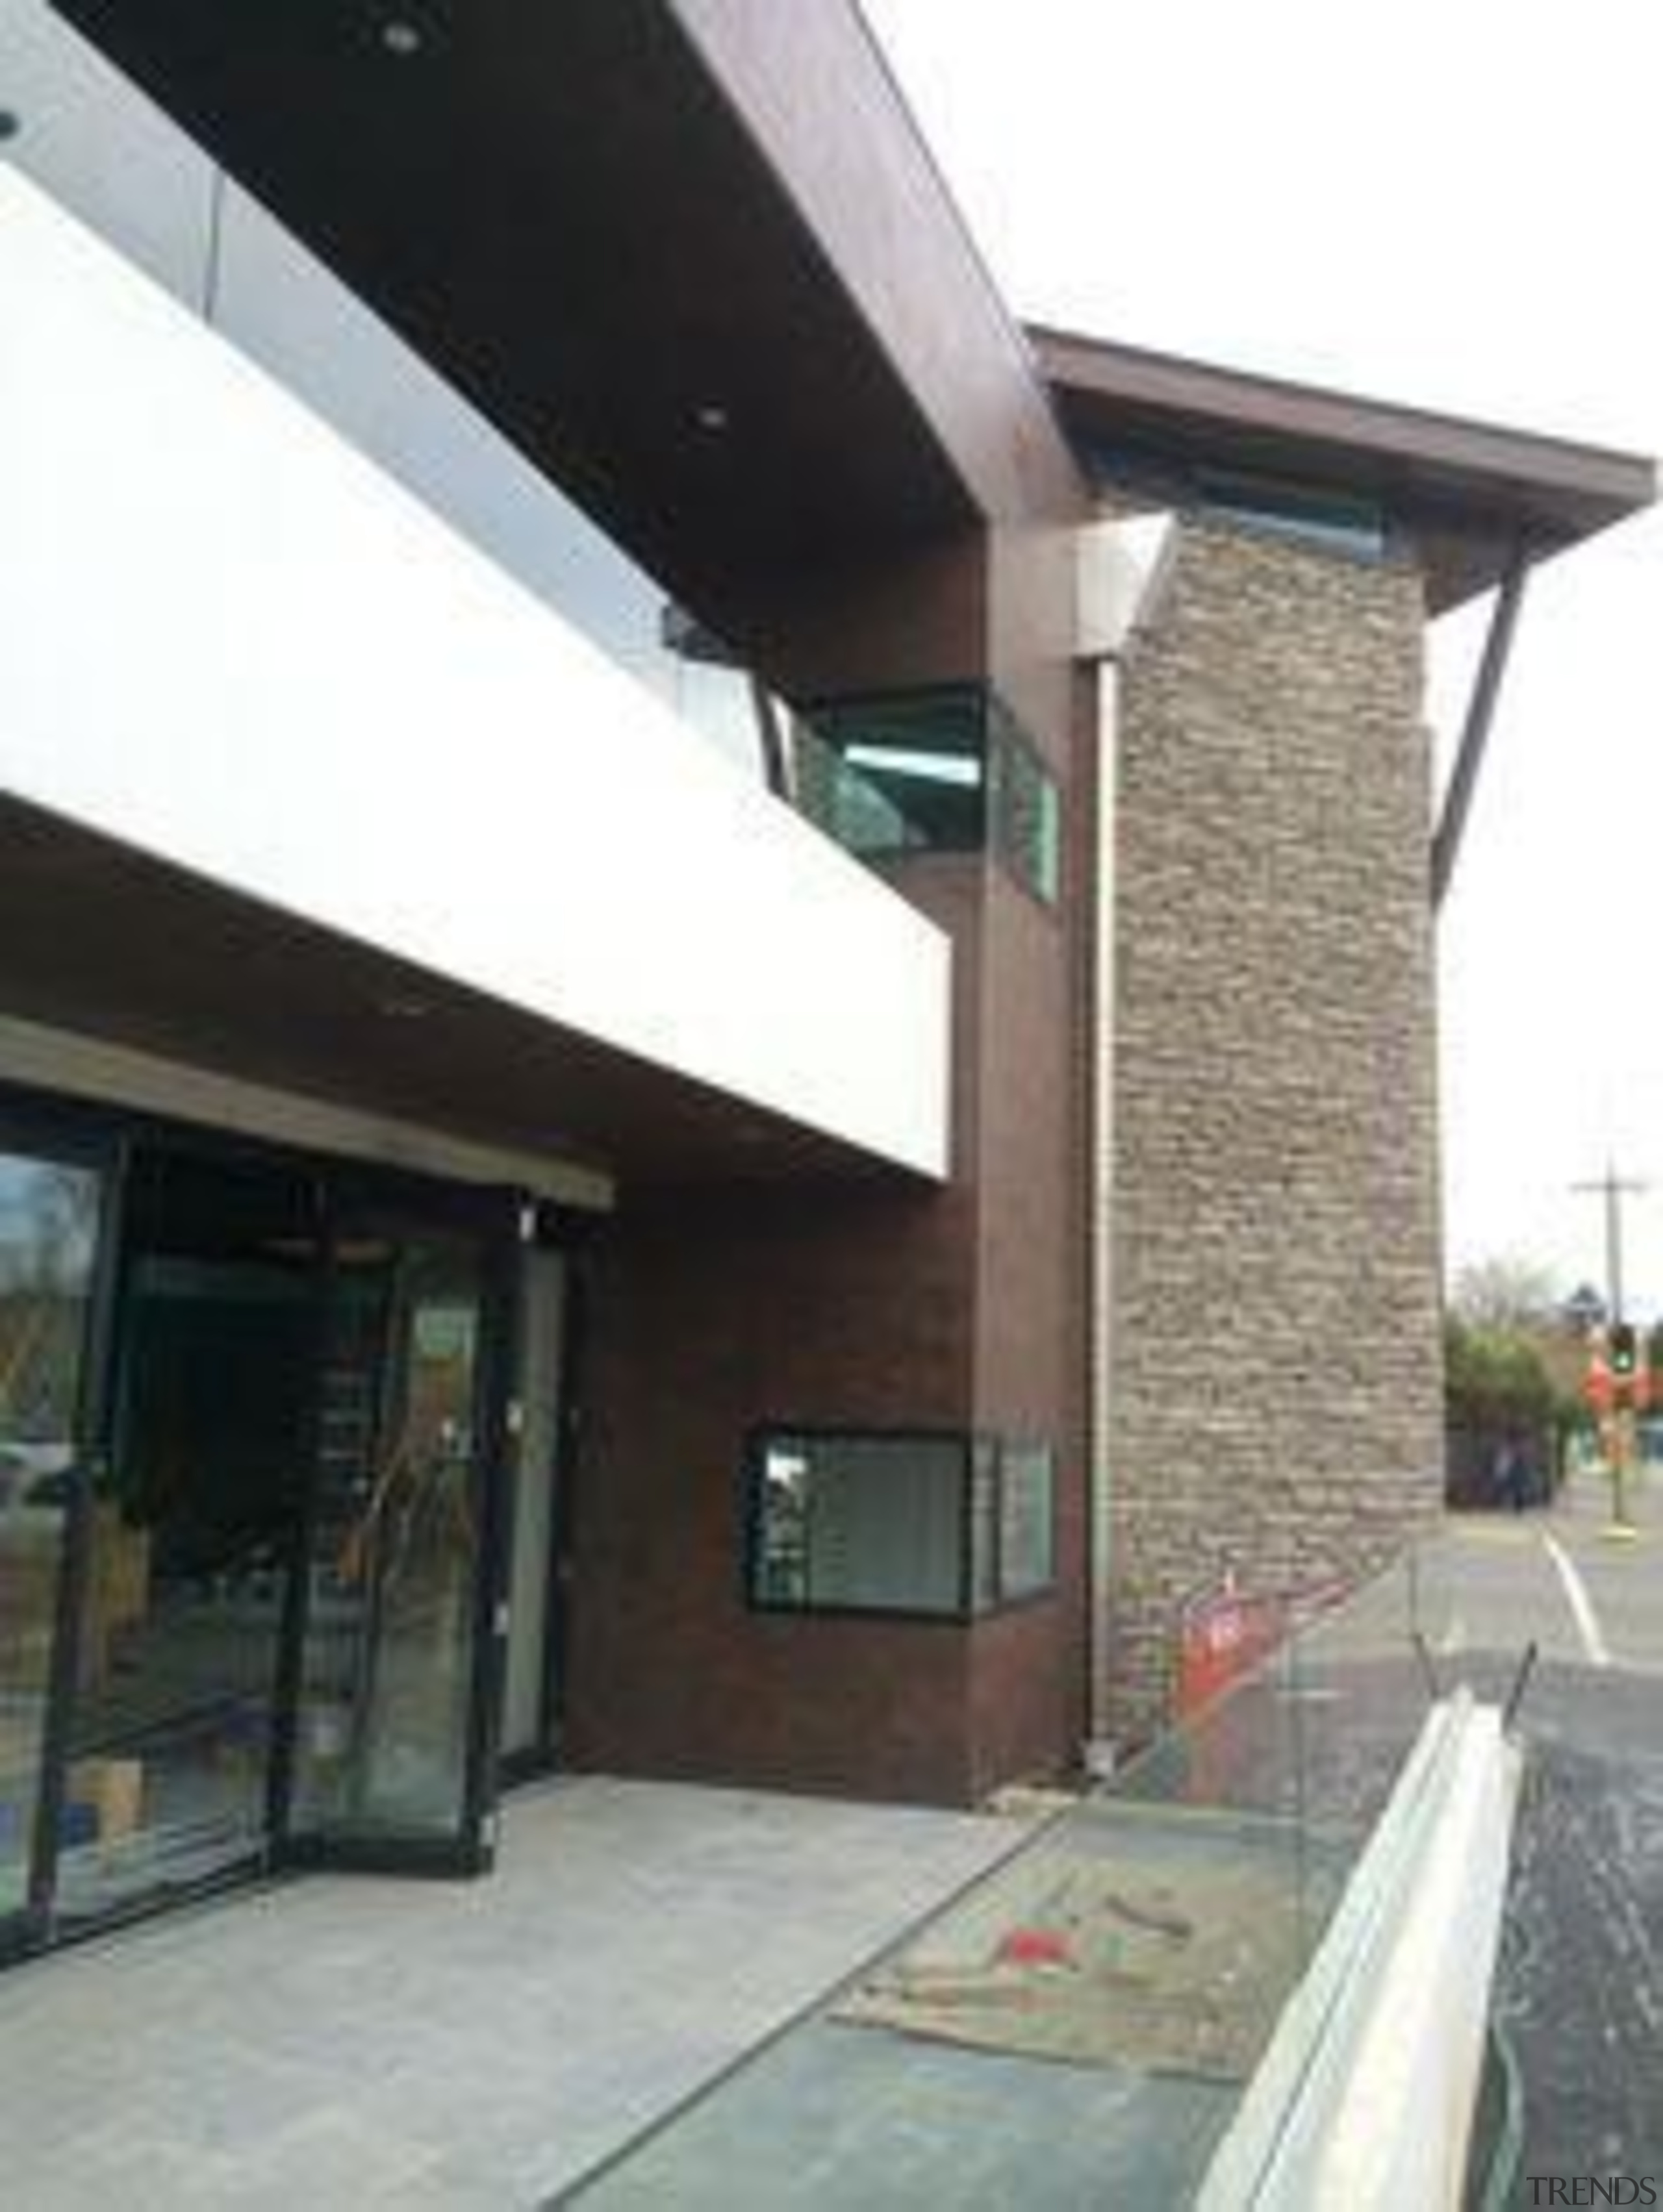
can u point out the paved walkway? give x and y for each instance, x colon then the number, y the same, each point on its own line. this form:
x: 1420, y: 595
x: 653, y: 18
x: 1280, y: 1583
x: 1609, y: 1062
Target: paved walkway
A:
x: 342, y: 2042
x: 843, y: 2121
x: 488, y: 2046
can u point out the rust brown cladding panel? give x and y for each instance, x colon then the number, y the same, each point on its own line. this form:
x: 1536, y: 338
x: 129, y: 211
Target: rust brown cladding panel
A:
x: 811, y: 85
x: 1029, y: 1208
x: 1027, y: 1675
x: 716, y: 1311
x: 714, y: 1315
x: 918, y: 617
x: 1030, y: 631
x: 1030, y: 1163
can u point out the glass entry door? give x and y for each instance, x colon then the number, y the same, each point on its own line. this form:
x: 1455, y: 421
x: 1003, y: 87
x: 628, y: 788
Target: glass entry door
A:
x: 50, y: 1214
x: 193, y: 1519
x: 390, y: 1700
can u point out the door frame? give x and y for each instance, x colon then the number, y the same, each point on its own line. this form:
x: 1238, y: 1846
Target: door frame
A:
x: 550, y: 1229
x: 487, y: 1215
x: 34, y: 1127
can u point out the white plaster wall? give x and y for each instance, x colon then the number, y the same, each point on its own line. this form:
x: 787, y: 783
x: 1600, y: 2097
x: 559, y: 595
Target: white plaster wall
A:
x: 233, y: 642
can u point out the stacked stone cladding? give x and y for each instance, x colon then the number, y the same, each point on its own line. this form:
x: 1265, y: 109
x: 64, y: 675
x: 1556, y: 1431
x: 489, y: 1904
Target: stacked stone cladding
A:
x: 1274, y: 1391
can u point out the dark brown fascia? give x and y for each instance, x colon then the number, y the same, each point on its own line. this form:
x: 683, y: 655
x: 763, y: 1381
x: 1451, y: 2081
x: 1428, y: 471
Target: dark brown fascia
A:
x: 1477, y: 492
x: 813, y: 89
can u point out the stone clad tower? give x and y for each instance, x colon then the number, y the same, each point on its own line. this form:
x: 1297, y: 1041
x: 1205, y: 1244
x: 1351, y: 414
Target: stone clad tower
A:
x: 1266, y: 1386
x: 1275, y: 1404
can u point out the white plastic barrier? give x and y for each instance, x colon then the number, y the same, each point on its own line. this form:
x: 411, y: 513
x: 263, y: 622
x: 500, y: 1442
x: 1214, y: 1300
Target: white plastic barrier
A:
x: 1364, y: 2100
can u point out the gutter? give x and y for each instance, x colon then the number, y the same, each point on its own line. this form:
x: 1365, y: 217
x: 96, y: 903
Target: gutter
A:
x: 1122, y: 568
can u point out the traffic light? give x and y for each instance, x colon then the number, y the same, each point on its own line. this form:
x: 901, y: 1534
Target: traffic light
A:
x: 1623, y: 1359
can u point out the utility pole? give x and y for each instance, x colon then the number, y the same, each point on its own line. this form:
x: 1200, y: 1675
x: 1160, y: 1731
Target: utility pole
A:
x: 1613, y: 1188
x: 1617, y: 1385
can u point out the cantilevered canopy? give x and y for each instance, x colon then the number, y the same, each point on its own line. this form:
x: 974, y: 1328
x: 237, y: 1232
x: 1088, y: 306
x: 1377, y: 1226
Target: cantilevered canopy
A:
x: 105, y: 942
x: 1474, y: 497
x: 567, y: 210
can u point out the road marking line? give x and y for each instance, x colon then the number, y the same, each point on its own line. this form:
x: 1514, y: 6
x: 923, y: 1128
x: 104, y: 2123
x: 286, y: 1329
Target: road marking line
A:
x: 1453, y: 1638
x: 1582, y: 1605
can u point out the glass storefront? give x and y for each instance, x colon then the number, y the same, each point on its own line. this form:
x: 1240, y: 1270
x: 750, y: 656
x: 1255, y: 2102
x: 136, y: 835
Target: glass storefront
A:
x: 191, y: 1509
x: 252, y: 1426
x: 49, y: 1217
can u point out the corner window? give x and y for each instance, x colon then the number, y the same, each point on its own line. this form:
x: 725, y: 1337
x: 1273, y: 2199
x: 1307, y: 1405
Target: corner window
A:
x: 926, y: 1523
x: 905, y: 773
x: 1026, y: 813
x: 946, y: 769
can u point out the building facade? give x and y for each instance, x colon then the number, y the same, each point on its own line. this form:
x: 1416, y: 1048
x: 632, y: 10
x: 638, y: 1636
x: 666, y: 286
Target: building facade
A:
x: 676, y: 916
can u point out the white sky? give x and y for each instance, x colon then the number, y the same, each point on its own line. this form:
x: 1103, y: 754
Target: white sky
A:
x: 1457, y: 203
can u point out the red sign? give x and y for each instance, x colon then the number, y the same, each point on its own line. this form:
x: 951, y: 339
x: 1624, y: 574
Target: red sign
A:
x: 1599, y: 1388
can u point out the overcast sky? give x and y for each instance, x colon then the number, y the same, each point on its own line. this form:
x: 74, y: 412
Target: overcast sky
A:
x: 1454, y: 204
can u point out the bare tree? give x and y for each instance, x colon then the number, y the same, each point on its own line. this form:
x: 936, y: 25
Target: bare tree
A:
x: 1505, y: 1293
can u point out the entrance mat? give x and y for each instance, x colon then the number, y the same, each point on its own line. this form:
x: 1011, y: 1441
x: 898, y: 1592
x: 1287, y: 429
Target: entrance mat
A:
x: 1165, y: 1943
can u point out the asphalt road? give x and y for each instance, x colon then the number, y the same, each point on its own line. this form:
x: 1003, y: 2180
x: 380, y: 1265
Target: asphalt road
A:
x: 1579, y: 1987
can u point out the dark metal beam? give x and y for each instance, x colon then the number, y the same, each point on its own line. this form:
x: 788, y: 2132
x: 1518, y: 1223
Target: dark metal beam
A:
x: 1480, y: 714
x: 776, y: 752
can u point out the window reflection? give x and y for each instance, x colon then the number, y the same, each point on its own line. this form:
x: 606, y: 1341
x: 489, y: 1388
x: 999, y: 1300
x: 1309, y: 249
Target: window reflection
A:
x: 48, y: 1231
x: 932, y: 1523
x: 900, y: 773
x: 388, y: 1672
x: 948, y: 770
x: 848, y: 1520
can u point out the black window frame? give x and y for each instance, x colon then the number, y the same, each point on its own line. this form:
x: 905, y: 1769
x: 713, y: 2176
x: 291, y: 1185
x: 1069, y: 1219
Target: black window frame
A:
x: 982, y: 1590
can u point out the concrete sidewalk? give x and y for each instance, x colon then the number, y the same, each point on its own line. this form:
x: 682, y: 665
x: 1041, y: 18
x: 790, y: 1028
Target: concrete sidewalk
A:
x: 343, y: 2041
x: 843, y: 2122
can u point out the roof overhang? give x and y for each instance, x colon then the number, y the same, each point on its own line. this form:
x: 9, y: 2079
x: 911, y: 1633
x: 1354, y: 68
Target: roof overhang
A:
x: 1472, y: 494
x: 567, y: 214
